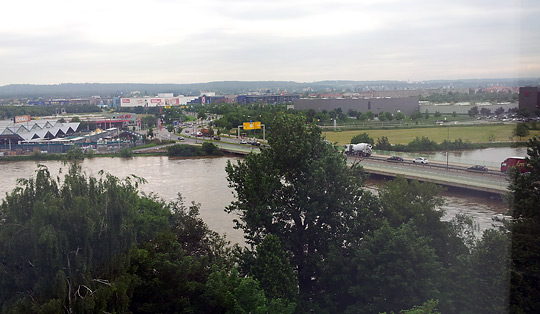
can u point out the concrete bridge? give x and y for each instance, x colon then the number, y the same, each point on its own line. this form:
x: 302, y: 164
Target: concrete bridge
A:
x: 457, y: 176
x: 492, y: 181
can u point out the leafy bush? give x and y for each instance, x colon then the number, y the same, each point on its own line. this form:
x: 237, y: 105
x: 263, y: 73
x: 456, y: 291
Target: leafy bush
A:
x: 75, y: 154
x: 425, y: 144
x: 181, y: 150
x: 126, y: 152
x: 211, y: 149
x: 362, y: 138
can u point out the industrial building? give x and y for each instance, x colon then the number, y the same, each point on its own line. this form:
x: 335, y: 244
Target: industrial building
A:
x: 35, y: 131
x: 406, y: 105
x: 267, y: 99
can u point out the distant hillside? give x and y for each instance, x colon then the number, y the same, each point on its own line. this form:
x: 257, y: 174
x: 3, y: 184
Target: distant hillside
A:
x: 237, y: 87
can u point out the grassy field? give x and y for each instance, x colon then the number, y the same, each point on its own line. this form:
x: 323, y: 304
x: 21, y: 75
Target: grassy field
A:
x: 474, y: 134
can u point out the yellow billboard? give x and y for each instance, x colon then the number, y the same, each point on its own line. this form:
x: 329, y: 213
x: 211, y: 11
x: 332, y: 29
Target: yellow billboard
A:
x: 252, y: 125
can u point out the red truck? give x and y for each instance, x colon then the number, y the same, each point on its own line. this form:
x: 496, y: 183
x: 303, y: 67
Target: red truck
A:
x: 518, y: 162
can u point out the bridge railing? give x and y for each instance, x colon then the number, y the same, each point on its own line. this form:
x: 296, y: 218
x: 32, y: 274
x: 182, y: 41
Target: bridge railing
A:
x: 450, y: 167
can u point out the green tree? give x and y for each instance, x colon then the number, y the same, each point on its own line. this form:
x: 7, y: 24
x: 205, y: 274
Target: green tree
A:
x: 489, y: 269
x: 362, y: 138
x: 211, y: 149
x: 454, y: 114
x: 301, y: 190
x: 126, y: 152
x: 383, y: 143
x: 370, y: 115
x: 274, y: 272
x: 426, y: 114
x: 525, y: 197
x: 389, y: 116
x: 416, y: 115
x: 521, y: 130
x: 473, y: 111
x: 382, y: 116
x: 75, y: 154
x: 400, y: 116
x: 202, y: 114
x: 395, y: 270
x: 64, y: 241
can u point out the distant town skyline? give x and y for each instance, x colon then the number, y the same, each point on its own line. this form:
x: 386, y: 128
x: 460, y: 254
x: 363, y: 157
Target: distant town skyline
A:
x: 193, y: 41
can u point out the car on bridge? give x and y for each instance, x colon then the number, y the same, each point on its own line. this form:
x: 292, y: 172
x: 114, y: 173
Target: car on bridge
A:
x: 478, y: 168
x: 395, y: 159
x: 420, y: 160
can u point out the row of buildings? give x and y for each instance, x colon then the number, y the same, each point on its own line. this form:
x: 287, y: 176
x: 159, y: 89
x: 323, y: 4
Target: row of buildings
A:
x: 205, y: 99
x: 407, y: 105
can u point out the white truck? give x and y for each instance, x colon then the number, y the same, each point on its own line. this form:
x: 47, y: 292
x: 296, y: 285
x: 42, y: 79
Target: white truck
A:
x: 360, y: 149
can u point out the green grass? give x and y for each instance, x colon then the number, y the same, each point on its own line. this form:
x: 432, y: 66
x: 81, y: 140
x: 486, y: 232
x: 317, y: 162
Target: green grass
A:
x: 473, y: 134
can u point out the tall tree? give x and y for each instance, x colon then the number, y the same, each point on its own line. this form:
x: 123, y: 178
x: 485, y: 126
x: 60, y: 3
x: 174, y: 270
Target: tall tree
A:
x: 521, y: 130
x: 301, y: 190
x: 525, y: 270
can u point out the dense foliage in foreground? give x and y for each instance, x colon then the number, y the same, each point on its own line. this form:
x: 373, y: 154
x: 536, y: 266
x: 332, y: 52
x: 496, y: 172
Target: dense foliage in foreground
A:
x: 352, y: 251
x: 318, y: 242
x: 86, y: 245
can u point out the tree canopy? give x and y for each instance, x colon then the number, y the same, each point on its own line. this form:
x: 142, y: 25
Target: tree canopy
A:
x: 301, y: 190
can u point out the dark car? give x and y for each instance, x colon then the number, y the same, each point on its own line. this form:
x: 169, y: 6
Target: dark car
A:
x: 478, y: 168
x: 217, y: 138
x: 395, y: 159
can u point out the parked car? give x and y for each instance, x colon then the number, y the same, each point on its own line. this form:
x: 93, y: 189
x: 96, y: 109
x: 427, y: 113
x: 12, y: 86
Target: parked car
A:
x: 217, y: 138
x: 243, y: 142
x: 420, y: 160
x: 395, y: 159
x: 255, y: 143
x: 478, y: 168
x: 181, y: 138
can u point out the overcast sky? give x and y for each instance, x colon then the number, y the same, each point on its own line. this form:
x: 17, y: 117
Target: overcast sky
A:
x: 190, y: 41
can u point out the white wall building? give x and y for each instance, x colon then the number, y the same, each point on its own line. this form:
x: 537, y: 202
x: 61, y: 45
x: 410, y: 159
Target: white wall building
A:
x: 160, y: 100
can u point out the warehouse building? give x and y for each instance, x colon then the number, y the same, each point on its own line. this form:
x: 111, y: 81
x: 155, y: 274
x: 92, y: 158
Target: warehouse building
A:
x: 406, y: 105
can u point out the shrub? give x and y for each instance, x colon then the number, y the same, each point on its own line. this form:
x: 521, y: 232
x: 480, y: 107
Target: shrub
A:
x: 126, y: 152
x: 181, y: 150
x: 75, y: 154
x: 211, y: 149
x: 362, y: 138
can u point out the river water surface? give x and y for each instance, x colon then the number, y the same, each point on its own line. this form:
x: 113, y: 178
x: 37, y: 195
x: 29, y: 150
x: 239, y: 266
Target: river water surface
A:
x: 203, y: 181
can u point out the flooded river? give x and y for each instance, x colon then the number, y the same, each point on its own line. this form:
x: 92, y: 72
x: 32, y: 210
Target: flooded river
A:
x: 204, y: 181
